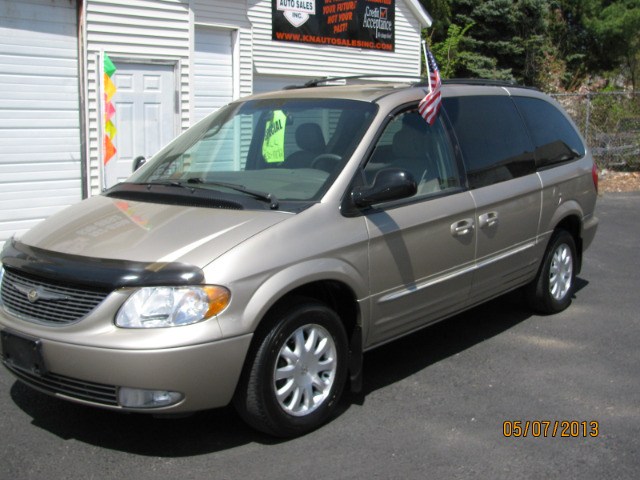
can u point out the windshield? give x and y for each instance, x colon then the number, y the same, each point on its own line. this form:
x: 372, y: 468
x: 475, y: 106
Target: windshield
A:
x: 285, y: 149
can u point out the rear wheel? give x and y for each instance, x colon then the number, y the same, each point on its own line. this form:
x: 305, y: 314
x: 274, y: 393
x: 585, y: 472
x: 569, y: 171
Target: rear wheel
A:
x: 295, y: 372
x: 553, y: 288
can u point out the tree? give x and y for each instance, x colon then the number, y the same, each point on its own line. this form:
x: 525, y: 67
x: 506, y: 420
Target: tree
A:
x: 447, y: 53
x: 504, y: 42
x: 597, y: 37
x: 531, y: 17
x: 440, y: 12
x: 555, y: 45
x: 616, y: 29
x: 486, y: 49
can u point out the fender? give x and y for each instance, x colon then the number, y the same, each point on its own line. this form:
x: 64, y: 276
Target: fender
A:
x: 567, y: 209
x: 572, y: 214
x: 320, y: 269
x: 280, y: 283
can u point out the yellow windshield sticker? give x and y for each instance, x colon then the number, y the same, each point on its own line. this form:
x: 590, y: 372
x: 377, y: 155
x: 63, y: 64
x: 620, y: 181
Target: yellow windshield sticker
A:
x: 273, y: 145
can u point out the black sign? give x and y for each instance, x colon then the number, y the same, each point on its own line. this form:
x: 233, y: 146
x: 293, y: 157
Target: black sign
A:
x: 343, y: 23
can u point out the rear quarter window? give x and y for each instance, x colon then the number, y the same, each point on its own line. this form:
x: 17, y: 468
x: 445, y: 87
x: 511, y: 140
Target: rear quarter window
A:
x: 554, y: 137
x: 494, y: 142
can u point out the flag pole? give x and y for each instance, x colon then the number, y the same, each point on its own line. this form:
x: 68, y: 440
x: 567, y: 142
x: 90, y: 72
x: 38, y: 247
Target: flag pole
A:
x: 426, y: 62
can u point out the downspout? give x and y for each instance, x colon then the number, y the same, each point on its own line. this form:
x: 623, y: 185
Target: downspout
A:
x: 84, y: 165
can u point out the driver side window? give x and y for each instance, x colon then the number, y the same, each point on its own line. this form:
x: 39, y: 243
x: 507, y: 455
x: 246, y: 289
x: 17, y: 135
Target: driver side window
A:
x: 410, y: 143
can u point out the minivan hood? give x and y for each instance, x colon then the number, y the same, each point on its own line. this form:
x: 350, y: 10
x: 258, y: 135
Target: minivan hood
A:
x: 111, y: 228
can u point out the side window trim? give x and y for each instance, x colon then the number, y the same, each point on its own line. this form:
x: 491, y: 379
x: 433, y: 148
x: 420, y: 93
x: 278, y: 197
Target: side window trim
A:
x: 455, y: 146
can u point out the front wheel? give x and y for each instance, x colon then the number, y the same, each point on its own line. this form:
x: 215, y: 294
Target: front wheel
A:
x: 553, y: 288
x: 296, y: 371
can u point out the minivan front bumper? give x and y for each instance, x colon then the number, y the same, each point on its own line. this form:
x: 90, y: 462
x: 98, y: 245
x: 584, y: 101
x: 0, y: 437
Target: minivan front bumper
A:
x: 204, y: 375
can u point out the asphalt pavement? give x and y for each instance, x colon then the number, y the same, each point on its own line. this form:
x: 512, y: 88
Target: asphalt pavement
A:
x: 440, y: 404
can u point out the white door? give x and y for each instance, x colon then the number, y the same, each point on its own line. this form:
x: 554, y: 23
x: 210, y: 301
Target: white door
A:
x: 40, y: 163
x: 145, y: 115
x: 213, y: 70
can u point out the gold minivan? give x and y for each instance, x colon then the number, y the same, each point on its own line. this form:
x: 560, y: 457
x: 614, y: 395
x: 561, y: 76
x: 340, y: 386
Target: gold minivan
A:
x: 257, y: 256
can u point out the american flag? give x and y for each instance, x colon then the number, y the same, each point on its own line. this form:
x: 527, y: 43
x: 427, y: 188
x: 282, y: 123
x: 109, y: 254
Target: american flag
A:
x: 430, y: 104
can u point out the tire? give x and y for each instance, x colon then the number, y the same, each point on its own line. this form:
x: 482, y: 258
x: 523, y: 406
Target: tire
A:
x: 295, y: 371
x: 554, y: 286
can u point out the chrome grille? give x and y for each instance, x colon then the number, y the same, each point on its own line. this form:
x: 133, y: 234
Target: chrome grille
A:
x: 69, y: 387
x: 43, y: 301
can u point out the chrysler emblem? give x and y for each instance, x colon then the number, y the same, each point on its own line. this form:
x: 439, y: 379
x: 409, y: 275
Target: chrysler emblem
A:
x: 34, y: 294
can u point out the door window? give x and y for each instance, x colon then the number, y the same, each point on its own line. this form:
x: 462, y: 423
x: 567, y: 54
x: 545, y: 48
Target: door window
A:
x: 492, y: 137
x: 410, y: 143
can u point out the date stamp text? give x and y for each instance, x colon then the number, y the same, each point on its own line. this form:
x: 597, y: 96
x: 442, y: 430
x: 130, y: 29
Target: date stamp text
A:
x: 550, y: 428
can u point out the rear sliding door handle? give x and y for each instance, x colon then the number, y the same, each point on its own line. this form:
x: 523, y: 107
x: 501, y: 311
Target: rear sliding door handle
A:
x: 489, y: 219
x: 463, y: 227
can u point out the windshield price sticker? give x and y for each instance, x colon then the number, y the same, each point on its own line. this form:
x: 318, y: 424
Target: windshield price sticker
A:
x: 273, y: 144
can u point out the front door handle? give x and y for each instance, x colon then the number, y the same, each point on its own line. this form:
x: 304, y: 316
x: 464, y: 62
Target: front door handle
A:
x: 463, y: 227
x: 489, y: 219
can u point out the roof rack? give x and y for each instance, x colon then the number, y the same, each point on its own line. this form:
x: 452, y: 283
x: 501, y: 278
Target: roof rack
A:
x: 417, y: 81
x: 328, y: 80
x: 485, y: 81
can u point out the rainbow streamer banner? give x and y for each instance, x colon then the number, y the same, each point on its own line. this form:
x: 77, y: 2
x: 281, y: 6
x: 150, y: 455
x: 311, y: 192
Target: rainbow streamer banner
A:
x: 109, y: 109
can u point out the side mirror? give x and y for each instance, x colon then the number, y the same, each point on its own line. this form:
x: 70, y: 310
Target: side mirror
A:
x: 138, y: 162
x: 389, y: 184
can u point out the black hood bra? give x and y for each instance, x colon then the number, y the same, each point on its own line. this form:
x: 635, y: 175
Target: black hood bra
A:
x: 96, y: 272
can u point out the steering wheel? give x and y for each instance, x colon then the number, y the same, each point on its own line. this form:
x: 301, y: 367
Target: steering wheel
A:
x: 326, y: 162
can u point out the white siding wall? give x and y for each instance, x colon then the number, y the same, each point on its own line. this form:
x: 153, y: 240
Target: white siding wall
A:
x: 295, y: 59
x: 269, y: 83
x: 40, y: 170
x: 140, y: 30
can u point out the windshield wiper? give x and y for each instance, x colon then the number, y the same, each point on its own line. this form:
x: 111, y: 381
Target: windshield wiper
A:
x: 265, y: 197
x: 167, y: 183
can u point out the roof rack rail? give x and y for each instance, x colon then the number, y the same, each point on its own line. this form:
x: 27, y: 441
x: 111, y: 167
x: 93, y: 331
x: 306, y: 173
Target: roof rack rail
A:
x: 485, y: 81
x: 417, y: 81
x: 317, y: 81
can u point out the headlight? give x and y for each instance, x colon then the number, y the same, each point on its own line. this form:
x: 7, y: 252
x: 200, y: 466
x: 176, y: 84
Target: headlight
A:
x: 158, y: 307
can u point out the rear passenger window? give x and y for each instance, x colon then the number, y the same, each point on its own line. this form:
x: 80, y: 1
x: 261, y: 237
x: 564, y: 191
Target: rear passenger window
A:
x: 492, y: 137
x: 410, y: 143
x: 554, y: 138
